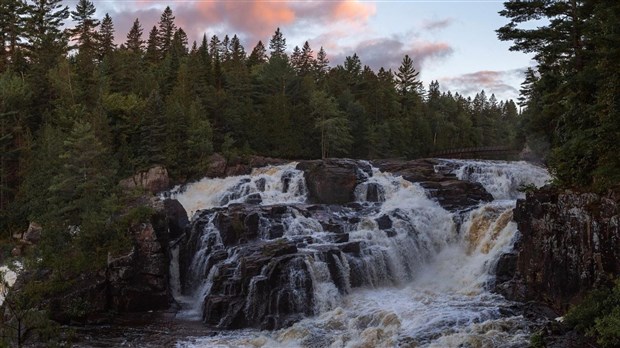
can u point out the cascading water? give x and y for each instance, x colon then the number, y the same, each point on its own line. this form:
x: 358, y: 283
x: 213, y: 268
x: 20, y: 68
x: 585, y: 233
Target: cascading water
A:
x: 395, y: 269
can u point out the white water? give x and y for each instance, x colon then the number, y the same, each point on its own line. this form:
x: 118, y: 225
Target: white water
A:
x: 217, y: 192
x: 438, y: 293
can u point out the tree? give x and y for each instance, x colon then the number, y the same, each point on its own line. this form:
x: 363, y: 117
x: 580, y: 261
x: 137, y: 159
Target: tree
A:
x: 407, y: 77
x: 321, y: 64
x: 134, y: 41
x: 277, y: 45
x: 165, y: 31
x: 258, y: 55
x: 106, y: 37
x: 12, y: 30
x: 565, y: 48
x: 152, y: 47
x: 85, y: 33
x: 335, y: 133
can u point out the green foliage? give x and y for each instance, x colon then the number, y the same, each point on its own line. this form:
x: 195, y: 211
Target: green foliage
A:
x: 598, y: 316
x: 571, y: 115
x: 537, y: 341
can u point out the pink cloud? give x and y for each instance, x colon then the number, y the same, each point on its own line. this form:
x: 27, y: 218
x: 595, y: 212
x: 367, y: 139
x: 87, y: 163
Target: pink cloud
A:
x: 491, y: 81
x: 252, y: 20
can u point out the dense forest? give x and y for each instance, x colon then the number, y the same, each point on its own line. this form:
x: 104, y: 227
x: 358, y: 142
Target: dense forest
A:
x: 79, y: 112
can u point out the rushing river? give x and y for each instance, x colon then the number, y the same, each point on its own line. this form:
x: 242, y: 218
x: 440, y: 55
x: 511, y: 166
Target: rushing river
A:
x: 425, y: 283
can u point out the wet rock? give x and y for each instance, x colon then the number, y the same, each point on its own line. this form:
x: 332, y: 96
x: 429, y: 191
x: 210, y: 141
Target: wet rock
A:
x: 384, y: 222
x: 331, y: 181
x: 506, y: 267
x: 153, y: 180
x: 177, y: 217
x: 569, y: 244
x: 254, y: 198
x: 260, y: 184
x: 374, y: 193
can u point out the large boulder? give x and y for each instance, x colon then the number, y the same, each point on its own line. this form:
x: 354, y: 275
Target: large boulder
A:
x: 333, y: 181
x: 153, y: 180
x: 569, y: 244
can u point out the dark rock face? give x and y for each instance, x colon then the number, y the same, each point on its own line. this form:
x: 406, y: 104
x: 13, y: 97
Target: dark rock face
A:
x: 570, y: 243
x: 135, y: 282
x: 451, y: 193
x: 333, y: 181
x: 139, y: 281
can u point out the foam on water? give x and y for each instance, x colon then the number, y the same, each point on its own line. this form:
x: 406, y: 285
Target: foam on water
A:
x: 502, y: 179
x: 275, y: 184
x: 438, y: 292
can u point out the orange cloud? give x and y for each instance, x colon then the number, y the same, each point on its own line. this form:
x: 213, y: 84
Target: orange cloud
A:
x: 353, y: 11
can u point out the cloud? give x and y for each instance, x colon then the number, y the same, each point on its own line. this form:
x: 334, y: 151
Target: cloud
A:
x: 439, y: 24
x: 252, y: 20
x: 389, y: 52
x: 500, y: 83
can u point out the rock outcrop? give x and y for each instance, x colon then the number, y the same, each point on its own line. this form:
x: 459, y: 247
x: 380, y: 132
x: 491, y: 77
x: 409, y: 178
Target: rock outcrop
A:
x: 134, y: 282
x: 569, y: 244
x: 153, y: 180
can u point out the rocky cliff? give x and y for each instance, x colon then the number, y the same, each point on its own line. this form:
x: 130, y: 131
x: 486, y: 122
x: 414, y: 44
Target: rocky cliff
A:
x: 569, y: 244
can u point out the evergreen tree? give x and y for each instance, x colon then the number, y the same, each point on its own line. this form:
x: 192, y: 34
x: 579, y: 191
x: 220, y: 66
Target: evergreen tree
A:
x: 407, y: 77
x: 152, y: 47
x: 258, y: 55
x: 134, y: 42
x: 85, y: 33
x: 165, y: 32
x: 321, y: 64
x: 106, y: 37
x: 334, y: 127
x: 277, y: 45
x: 12, y: 30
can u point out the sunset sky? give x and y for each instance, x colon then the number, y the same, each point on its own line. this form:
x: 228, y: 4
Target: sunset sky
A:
x: 449, y: 40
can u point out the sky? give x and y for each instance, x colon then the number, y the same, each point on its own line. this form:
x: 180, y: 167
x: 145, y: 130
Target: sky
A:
x: 451, y: 41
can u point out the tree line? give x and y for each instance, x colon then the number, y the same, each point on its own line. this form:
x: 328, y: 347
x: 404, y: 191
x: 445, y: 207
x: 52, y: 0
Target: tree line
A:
x: 78, y: 111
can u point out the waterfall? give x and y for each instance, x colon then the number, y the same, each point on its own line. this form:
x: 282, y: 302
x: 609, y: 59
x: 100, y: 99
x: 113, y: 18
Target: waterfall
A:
x: 394, y: 269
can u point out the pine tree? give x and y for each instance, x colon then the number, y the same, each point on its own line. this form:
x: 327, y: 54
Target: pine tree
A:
x: 334, y: 127
x: 85, y: 33
x: 321, y: 65
x: 407, y: 77
x: 258, y: 55
x: 134, y: 41
x: 165, y: 32
x: 106, y: 37
x: 47, y: 45
x: 152, y: 47
x: 12, y: 30
x: 296, y: 59
x: 277, y: 45
x: 306, y: 61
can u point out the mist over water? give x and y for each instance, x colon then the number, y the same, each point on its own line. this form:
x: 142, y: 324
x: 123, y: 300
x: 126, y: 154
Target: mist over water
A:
x: 424, y: 284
